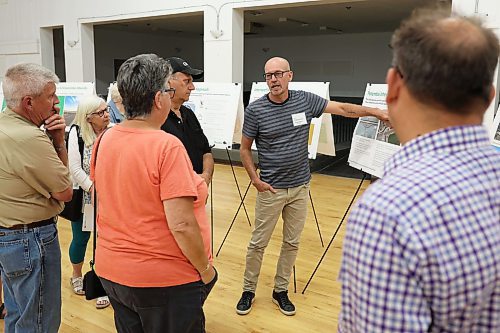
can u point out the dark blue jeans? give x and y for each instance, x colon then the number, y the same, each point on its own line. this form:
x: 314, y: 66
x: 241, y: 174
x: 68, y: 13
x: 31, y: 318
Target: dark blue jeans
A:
x: 30, y: 265
x: 176, y: 309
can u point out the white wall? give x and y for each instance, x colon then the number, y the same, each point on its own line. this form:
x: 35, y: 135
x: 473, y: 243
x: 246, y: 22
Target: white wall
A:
x: 347, y: 61
x: 21, y: 20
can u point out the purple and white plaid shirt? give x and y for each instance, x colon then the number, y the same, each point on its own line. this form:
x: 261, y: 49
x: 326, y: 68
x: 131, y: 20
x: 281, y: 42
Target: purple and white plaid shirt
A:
x: 422, y: 247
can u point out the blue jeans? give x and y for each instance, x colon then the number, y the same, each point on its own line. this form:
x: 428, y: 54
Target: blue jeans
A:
x: 30, y: 265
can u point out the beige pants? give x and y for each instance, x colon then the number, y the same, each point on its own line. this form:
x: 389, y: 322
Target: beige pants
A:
x: 292, y: 204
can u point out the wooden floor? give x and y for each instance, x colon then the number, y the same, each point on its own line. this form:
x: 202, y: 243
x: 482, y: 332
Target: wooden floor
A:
x: 317, y: 308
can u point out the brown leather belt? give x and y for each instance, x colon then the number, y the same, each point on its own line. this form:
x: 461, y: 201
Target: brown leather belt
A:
x: 32, y: 225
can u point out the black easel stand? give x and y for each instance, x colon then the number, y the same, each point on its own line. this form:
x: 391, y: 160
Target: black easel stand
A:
x: 336, y: 231
x: 234, y: 218
x: 316, y: 219
x: 238, y: 187
x: 242, y: 202
x: 212, y: 215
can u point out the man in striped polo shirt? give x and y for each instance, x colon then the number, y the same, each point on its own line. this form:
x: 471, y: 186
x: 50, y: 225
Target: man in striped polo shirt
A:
x: 279, y: 124
x: 422, y: 247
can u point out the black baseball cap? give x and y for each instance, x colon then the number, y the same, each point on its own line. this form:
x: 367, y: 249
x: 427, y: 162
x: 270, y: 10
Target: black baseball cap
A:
x: 181, y: 65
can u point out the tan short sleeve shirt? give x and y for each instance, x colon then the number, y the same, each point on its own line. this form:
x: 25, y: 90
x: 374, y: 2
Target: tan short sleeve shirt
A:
x: 29, y: 171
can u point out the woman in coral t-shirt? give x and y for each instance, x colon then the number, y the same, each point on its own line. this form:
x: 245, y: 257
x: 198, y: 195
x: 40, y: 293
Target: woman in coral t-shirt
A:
x: 153, y: 247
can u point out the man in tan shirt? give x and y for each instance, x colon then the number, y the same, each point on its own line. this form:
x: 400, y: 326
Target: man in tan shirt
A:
x: 34, y: 182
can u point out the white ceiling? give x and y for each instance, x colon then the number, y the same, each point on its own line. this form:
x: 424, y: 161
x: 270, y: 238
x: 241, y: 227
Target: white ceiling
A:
x: 316, y: 19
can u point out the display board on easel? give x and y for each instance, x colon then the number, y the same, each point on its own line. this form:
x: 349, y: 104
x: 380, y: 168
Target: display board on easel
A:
x: 373, y: 142
x: 2, y: 100
x: 69, y: 94
x: 321, y: 129
x: 216, y: 106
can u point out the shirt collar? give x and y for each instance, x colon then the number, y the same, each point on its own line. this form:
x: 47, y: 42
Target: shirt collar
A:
x: 16, y: 115
x: 173, y: 115
x: 443, y: 141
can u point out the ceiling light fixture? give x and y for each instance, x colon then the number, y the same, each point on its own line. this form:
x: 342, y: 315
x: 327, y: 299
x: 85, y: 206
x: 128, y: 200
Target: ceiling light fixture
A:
x: 287, y: 19
x: 325, y: 28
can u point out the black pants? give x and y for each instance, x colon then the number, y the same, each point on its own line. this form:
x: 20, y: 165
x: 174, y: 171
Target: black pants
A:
x: 176, y: 309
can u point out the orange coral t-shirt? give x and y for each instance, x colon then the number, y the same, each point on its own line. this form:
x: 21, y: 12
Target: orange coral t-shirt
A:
x: 136, y: 170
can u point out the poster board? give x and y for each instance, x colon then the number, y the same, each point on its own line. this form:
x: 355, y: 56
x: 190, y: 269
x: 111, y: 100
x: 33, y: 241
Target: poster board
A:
x: 69, y: 94
x: 216, y: 106
x: 496, y: 130
x: 373, y: 142
x: 321, y: 129
x: 2, y: 100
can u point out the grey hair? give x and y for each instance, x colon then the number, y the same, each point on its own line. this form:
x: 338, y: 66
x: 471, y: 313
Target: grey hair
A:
x: 139, y: 79
x: 25, y: 79
x: 446, y: 60
x: 114, y: 93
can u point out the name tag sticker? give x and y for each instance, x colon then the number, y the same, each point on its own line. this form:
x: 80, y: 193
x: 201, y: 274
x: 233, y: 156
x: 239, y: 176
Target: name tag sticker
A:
x: 299, y: 119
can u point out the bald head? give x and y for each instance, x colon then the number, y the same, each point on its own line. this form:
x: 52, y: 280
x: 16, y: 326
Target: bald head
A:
x: 446, y: 60
x: 277, y: 62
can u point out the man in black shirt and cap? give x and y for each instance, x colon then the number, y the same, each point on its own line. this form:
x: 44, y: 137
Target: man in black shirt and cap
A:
x: 182, y: 121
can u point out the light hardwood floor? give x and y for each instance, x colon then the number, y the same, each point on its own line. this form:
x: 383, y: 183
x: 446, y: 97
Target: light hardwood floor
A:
x: 317, y: 309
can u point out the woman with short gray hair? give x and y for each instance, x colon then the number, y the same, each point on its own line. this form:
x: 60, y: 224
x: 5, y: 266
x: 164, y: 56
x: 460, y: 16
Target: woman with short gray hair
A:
x: 153, y: 251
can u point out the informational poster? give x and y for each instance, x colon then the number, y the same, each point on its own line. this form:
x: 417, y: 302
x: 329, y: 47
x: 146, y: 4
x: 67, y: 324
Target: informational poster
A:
x: 321, y: 129
x: 373, y: 141
x: 496, y: 130
x: 69, y: 94
x: 2, y: 100
x: 216, y: 106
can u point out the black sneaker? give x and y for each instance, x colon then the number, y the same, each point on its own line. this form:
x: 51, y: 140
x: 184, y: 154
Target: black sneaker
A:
x: 245, y: 303
x: 283, y: 302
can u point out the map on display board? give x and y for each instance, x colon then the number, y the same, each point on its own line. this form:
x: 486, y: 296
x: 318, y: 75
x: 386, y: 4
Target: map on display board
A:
x: 216, y: 105
x: 373, y: 141
x: 321, y: 129
x: 496, y: 130
x: 69, y: 94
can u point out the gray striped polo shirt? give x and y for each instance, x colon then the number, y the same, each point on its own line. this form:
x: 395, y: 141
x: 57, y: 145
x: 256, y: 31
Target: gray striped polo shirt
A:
x: 282, y: 147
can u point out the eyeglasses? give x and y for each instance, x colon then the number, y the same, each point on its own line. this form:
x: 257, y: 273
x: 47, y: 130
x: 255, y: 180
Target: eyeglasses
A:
x: 278, y: 75
x: 170, y: 91
x: 100, y: 113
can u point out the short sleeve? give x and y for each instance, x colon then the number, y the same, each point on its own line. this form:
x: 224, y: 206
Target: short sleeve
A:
x: 204, y: 140
x: 37, y: 163
x: 176, y: 173
x: 250, y: 124
x: 316, y: 103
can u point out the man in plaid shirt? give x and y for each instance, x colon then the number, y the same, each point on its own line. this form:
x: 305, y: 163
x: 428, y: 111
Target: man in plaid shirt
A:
x: 422, y: 248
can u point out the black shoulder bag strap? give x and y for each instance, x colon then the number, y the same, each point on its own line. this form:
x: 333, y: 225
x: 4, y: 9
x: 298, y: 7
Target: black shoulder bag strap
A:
x: 81, y: 144
x: 98, y: 142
